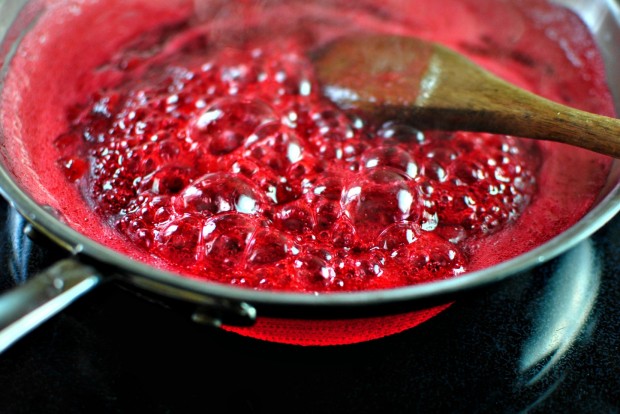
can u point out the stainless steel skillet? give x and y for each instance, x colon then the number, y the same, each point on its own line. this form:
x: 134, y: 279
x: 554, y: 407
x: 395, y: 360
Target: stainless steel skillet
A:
x: 89, y: 263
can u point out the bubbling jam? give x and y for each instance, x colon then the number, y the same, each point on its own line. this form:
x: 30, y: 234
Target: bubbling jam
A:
x: 228, y: 163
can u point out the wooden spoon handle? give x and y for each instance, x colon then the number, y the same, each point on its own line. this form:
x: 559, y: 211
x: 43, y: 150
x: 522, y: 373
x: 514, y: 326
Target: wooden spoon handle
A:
x: 542, y: 119
x: 485, y: 102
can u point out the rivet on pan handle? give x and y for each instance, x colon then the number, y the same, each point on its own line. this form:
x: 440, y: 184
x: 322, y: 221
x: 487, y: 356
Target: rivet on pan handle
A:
x: 242, y: 314
x: 209, y: 310
x: 24, y: 308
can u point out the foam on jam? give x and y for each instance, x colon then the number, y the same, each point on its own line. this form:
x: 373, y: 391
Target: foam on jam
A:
x: 210, y: 148
x: 231, y: 165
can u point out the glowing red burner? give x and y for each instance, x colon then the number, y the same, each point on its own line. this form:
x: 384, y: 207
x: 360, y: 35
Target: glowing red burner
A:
x: 334, y: 332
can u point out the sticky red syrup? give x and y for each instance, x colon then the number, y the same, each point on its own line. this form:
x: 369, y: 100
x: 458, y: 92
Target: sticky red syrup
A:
x: 231, y: 166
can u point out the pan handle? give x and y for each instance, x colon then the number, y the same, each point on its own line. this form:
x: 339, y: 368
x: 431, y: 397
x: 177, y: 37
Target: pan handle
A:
x: 27, y: 306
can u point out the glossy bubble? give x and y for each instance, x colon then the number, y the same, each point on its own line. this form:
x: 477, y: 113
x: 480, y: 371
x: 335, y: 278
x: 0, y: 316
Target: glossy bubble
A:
x: 147, y: 157
x: 430, y: 258
x: 400, y: 132
x: 379, y: 198
x: 332, y: 125
x: 153, y: 209
x: 221, y: 192
x: 329, y: 186
x: 226, y: 239
x: 316, y: 268
x: 301, y: 173
x: 398, y: 235
x: 364, y: 265
x: 323, y: 194
x: 167, y: 179
x: 277, y: 150
x: 390, y: 156
x: 295, y: 218
x: 180, y: 240
x: 344, y: 234
x: 228, y: 122
x: 268, y: 246
x: 269, y: 183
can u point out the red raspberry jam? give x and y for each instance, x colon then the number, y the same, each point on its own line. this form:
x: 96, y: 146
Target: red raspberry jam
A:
x: 293, y: 181
x: 229, y: 164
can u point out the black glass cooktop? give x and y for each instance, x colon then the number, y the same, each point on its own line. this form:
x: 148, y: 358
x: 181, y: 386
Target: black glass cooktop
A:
x: 546, y: 341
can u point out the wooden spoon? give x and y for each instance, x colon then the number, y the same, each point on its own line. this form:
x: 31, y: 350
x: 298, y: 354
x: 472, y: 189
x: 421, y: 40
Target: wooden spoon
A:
x: 432, y: 87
